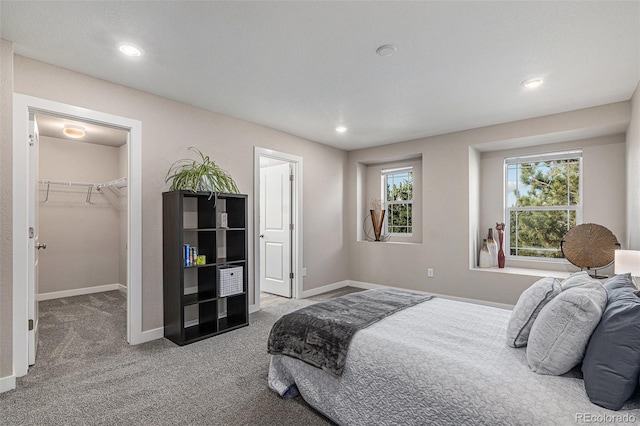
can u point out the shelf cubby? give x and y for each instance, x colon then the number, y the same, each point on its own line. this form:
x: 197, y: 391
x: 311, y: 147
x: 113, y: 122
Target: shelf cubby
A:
x: 192, y: 308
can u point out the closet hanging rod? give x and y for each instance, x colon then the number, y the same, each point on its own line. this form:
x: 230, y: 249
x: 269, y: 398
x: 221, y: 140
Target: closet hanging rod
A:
x: 64, y: 183
x: 47, y: 182
x: 117, y: 183
x: 113, y: 185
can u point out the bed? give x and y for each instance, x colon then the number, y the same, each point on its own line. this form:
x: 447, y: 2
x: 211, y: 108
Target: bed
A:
x: 441, y: 362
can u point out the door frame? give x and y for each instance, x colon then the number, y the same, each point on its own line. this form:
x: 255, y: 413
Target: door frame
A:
x: 296, y: 217
x: 22, y: 106
x: 32, y: 242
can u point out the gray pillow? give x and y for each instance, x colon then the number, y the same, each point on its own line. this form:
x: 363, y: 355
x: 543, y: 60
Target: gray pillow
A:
x: 562, y: 330
x: 611, y: 366
x: 531, y: 301
x: 622, y: 281
x: 576, y: 279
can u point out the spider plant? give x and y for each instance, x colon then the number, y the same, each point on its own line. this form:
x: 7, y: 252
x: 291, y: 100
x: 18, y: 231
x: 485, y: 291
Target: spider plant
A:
x: 203, y: 175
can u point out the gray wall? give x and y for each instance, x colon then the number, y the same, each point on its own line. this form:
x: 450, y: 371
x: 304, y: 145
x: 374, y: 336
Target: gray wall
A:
x: 603, y: 186
x: 633, y: 174
x: 451, y: 168
x: 82, y: 239
x: 372, y: 187
x: 6, y: 208
x: 168, y: 129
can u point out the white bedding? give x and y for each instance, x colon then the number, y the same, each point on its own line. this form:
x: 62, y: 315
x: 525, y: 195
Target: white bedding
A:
x: 442, y: 362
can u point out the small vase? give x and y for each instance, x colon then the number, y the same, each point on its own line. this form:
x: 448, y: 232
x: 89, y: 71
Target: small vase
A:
x: 485, y: 260
x: 500, y: 250
x: 377, y: 217
x: 500, y: 230
x: 493, y: 248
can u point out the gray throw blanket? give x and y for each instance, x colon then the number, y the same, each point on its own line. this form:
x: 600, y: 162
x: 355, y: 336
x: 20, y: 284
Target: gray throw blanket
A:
x: 320, y: 334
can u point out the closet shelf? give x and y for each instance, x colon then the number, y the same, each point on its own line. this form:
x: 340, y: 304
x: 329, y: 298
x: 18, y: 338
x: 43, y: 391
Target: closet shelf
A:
x: 112, y: 190
x: 113, y: 186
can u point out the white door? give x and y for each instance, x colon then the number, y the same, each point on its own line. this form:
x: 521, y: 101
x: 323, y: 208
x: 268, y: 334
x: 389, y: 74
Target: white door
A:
x: 34, y: 243
x: 275, y: 230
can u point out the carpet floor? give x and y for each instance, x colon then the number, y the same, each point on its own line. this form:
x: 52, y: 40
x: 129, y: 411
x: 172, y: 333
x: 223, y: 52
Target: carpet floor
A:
x: 86, y: 373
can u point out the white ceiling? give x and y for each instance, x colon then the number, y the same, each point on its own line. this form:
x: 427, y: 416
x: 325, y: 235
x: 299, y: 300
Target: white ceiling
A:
x: 307, y: 67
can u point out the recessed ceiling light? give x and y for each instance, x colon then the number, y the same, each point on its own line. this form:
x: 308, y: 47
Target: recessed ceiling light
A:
x: 386, y: 50
x: 74, y: 131
x: 341, y: 129
x: 532, y: 82
x: 130, y: 50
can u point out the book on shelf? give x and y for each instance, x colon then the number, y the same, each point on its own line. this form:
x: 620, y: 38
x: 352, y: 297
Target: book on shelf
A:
x: 190, y: 255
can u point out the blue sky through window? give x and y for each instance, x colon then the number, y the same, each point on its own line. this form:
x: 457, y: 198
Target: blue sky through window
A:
x: 397, y: 180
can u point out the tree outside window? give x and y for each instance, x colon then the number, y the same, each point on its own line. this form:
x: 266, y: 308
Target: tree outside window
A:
x: 543, y: 201
x: 398, y: 187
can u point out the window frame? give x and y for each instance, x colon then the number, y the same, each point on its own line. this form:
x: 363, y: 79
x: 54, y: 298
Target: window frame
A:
x: 384, y: 174
x: 535, y: 158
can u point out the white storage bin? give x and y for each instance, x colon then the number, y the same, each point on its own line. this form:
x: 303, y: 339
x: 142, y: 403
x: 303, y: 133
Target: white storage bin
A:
x: 230, y: 279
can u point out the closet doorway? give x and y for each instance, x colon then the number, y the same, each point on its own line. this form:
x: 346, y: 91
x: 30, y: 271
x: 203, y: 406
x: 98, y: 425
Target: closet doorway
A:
x: 32, y: 191
x: 81, y: 228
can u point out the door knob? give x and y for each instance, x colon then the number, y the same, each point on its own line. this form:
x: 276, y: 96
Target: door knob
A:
x: 261, y: 235
x: 41, y: 246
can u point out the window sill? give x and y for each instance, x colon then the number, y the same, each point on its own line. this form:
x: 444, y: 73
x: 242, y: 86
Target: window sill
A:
x: 390, y: 242
x: 524, y: 271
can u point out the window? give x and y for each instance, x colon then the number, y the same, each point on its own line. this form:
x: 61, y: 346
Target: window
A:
x: 397, y: 185
x: 543, y: 200
x: 402, y: 212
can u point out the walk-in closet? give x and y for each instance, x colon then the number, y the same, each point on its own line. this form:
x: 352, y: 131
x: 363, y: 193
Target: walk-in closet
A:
x: 82, y: 226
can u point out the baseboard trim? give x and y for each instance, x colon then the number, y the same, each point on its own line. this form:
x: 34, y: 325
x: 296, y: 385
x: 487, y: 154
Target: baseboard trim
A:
x: 253, y: 308
x: 369, y: 286
x: 80, y: 291
x: 324, y: 289
x: 122, y: 288
x: 474, y: 301
x: 158, y: 333
x: 149, y: 335
x: 7, y: 383
x: 364, y: 285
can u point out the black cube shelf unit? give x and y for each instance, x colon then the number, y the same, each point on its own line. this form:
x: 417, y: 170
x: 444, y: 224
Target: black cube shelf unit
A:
x: 196, y: 305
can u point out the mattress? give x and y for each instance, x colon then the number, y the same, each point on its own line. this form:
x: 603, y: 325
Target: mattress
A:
x: 442, y: 362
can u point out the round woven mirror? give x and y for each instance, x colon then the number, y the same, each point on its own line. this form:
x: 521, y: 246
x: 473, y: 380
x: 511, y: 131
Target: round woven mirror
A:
x: 589, y: 246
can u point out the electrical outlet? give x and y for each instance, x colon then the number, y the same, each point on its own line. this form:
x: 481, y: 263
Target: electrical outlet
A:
x: 430, y: 272
x: 304, y: 272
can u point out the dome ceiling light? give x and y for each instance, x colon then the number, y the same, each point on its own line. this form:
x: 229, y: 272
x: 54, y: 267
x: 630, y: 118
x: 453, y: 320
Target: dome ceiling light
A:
x: 532, y: 83
x: 130, y: 50
x: 75, y: 132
